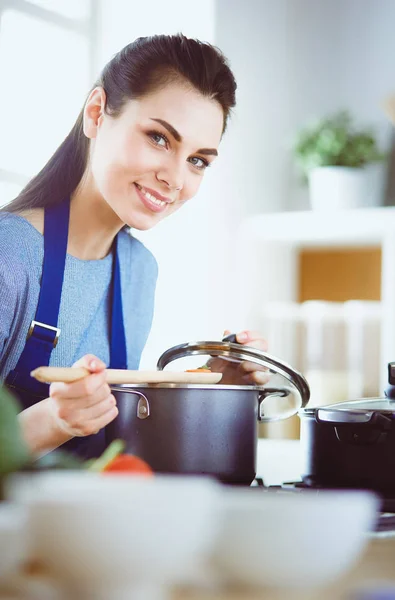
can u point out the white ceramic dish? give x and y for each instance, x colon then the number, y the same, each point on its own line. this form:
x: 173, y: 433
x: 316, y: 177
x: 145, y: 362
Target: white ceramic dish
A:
x: 13, y: 538
x: 108, y: 532
x: 284, y: 540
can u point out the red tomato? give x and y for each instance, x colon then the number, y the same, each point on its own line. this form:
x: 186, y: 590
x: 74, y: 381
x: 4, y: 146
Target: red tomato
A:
x: 128, y: 464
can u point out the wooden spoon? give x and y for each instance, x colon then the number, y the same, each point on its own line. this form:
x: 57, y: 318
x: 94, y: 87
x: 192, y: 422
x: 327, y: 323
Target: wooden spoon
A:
x: 113, y: 376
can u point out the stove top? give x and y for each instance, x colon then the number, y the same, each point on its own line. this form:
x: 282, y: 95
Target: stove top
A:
x: 386, y: 517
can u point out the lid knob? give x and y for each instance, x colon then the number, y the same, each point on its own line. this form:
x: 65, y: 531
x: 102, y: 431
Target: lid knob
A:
x: 390, y: 391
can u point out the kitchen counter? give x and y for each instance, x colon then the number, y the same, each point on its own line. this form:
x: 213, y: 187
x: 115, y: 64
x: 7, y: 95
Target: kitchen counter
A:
x: 279, y: 461
x: 375, y: 570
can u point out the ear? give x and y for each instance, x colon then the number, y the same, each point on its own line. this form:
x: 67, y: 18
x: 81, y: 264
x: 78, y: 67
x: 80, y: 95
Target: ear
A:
x: 94, y: 112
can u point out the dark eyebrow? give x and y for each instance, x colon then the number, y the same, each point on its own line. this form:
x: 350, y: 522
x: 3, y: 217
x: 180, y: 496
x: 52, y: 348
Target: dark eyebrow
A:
x: 178, y: 137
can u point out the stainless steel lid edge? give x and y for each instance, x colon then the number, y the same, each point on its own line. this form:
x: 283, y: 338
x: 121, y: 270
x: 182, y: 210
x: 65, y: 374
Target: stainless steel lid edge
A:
x: 122, y: 387
x: 370, y: 404
x: 241, y: 353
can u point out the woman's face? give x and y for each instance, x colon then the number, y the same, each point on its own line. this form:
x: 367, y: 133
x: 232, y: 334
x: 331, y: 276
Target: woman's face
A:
x: 151, y: 159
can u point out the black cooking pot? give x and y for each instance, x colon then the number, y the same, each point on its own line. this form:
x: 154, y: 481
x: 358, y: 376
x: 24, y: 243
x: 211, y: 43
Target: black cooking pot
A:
x: 351, y: 444
x: 205, y: 429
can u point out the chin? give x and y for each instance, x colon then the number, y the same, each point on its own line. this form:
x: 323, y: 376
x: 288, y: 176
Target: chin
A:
x: 141, y: 224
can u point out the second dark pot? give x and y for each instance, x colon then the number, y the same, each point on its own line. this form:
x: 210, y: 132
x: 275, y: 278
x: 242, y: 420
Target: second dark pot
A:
x: 350, y: 445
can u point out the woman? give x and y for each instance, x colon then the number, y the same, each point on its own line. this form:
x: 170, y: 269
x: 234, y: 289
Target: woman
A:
x: 73, y: 281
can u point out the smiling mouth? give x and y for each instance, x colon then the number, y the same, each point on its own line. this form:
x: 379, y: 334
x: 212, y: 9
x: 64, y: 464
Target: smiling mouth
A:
x: 150, y: 197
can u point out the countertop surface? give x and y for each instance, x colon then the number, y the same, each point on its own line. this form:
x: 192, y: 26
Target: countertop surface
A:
x: 374, y: 572
x: 279, y: 461
x: 371, y: 578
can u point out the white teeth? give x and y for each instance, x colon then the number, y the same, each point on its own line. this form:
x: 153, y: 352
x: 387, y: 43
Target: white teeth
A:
x: 151, y: 197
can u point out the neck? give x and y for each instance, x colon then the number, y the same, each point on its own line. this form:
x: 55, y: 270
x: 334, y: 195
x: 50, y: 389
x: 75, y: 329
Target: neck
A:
x: 93, y: 224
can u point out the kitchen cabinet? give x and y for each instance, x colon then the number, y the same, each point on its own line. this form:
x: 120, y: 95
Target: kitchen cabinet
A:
x: 278, y: 247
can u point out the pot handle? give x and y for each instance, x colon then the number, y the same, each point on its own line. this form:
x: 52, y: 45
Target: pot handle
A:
x: 271, y: 393
x: 143, y: 406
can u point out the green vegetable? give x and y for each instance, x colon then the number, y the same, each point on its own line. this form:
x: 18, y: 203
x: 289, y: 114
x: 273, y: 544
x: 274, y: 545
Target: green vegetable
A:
x: 14, y: 454
x: 112, y: 451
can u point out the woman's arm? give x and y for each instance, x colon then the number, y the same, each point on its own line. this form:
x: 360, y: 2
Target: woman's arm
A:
x: 40, y: 429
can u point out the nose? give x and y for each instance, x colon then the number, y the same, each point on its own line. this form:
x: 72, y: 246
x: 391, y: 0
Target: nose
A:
x: 172, y: 176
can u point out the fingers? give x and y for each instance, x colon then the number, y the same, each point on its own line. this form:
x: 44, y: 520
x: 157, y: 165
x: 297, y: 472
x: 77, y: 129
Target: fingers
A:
x: 99, y: 409
x: 88, y: 387
x: 84, y: 406
x: 257, y: 378
x: 250, y: 367
x: 250, y: 338
x: 98, y: 416
x: 81, y: 421
x: 246, y: 372
x: 89, y: 421
x: 90, y: 362
x: 100, y: 422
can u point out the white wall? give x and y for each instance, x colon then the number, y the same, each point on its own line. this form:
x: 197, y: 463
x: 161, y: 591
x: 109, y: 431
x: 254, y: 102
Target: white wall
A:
x: 122, y: 21
x: 293, y: 59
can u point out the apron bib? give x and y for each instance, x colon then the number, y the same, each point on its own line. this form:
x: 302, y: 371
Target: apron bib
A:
x: 44, y: 333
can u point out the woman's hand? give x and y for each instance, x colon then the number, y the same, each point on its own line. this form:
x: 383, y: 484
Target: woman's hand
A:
x: 245, y: 372
x: 85, y: 406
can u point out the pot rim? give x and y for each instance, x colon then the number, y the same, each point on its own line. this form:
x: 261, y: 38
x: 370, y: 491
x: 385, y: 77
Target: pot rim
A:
x: 124, y: 387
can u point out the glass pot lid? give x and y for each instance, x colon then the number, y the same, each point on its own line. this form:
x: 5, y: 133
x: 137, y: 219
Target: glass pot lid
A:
x: 239, y: 353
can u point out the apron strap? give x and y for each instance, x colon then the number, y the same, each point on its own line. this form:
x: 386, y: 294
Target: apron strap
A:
x: 43, y: 332
x: 118, y: 353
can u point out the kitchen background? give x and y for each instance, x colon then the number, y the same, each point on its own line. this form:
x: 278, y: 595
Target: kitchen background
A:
x: 248, y: 251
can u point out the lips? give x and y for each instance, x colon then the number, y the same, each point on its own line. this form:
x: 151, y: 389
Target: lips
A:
x: 154, y: 193
x: 151, y: 200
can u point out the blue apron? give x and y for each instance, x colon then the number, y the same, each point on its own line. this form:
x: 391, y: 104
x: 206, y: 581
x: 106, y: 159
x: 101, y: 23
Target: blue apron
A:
x: 44, y: 333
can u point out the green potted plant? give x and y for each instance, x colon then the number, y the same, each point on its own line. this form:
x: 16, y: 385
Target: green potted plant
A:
x: 342, y: 163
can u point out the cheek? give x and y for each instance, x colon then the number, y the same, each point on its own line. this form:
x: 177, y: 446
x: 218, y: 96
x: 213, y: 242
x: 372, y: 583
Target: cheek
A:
x: 191, y: 187
x: 114, y: 171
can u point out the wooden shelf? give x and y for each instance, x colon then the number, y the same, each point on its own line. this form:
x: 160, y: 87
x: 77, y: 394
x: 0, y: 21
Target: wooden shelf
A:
x: 311, y: 228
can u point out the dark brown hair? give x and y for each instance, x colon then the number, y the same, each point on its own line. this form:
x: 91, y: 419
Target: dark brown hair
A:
x: 140, y: 68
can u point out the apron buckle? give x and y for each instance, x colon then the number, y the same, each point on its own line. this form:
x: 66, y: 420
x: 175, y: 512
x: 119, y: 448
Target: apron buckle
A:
x: 50, y: 327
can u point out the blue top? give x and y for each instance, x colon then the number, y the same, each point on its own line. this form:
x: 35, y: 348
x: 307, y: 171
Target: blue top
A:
x: 84, y: 310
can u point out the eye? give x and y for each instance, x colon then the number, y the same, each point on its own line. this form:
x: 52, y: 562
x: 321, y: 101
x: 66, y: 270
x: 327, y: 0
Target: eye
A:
x: 199, y: 163
x: 159, y: 139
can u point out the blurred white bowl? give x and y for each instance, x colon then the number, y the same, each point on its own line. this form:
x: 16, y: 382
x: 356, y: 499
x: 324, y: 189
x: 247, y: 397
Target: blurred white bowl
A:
x: 13, y: 537
x: 282, y: 540
x: 110, y: 532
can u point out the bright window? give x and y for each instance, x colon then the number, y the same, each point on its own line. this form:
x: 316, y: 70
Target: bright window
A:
x: 45, y: 74
x: 73, y: 9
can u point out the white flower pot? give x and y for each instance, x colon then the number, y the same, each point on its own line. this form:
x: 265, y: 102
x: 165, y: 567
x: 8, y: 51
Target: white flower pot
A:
x: 336, y: 188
